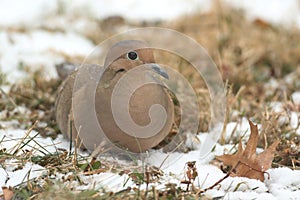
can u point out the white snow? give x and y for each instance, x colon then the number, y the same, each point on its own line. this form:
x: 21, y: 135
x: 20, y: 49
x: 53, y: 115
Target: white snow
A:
x: 104, y: 181
x: 296, y: 98
x: 25, y: 13
x: 277, y: 106
x: 274, y: 11
x: 148, y: 10
x: 294, y: 120
x: 284, y: 183
x: 9, y: 176
x: 11, y: 139
x: 237, y: 129
x: 39, y: 49
x: 33, y: 12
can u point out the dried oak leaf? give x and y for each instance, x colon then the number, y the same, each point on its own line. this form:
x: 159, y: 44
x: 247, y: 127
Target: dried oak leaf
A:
x: 246, y: 162
x: 8, y: 193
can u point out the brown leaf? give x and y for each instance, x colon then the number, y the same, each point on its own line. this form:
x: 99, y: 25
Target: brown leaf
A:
x: 8, y: 193
x: 250, y: 149
x: 246, y: 162
x: 265, y: 158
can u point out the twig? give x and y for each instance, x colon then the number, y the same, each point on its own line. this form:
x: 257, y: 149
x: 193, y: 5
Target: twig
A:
x: 219, y: 181
x: 9, y: 98
x: 18, y: 145
x: 170, y: 154
x: 214, y: 185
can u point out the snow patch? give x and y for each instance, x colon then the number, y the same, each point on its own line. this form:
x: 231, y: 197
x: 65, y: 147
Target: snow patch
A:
x: 11, y: 137
x: 284, y: 183
x: 274, y: 11
x: 25, y: 13
x: 12, y: 177
x: 38, y: 49
x: 296, y: 98
x: 294, y: 120
x: 237, y: 129
x: 148, y: 10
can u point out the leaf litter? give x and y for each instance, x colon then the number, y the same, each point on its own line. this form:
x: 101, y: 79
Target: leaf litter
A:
x: 246, y: 162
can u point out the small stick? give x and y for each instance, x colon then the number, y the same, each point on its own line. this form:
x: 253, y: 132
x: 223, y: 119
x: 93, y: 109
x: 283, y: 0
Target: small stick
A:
x: 219, y: 181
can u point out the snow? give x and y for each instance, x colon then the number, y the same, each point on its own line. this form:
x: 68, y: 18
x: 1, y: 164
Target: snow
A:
x: 23, y: 13
x: 248, y: 196
x: 105, y: 181
x: 42, y: 48
x: 9, y: 176
x: 294, y: 120
x: 13, y: 12
x: 148, y: 10
x: 38, y: 49
x: 11, y: 137
x: 274, y: 11
x: 237, y: 129
x: 284, y: 183
x: 34, y: 12
x: 296, y: 98
x: 277, y: 106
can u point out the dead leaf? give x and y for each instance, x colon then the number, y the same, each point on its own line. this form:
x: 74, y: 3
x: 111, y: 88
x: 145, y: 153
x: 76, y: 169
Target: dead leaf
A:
x: 7, y: 193
x: 190, y: 174
x: 246, y: 162
x: 262, y: 23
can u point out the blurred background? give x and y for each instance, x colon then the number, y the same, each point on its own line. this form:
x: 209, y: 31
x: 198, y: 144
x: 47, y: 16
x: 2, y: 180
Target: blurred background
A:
x: 42, y: 32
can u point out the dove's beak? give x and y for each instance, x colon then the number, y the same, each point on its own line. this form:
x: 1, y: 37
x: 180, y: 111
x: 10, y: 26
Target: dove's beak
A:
x: 159, y: 70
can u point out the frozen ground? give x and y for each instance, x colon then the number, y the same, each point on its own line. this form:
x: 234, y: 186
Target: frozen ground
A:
x: 37, y: 47
x: 282, y: 183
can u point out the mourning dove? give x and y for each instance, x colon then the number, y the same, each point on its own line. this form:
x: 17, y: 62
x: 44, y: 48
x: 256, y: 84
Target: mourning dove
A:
x: 122, y: 57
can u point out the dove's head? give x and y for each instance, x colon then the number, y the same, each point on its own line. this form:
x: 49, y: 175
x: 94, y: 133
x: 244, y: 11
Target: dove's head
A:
x: 128, y: 54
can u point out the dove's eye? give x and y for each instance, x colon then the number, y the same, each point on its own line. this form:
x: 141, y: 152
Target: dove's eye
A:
x: 132, y: 55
